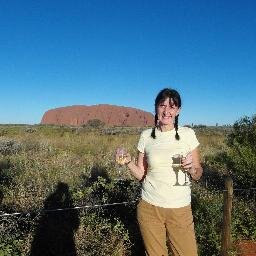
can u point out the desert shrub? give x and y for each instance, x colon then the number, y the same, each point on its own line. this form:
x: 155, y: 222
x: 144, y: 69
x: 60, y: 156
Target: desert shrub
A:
x: 99, y: 236
x: 95, y: 123
x: 15, y: 239
x: 9, y: 249
x: 242, y: 151
x: 244, y: 132
x: 98, y: 189
x: 119, y: 130
x: 238, y: 157
x: 200, y: 126
x: 30, y: 129
x: 207, y: 212
x: 9, y: 146
x: 243, y: 220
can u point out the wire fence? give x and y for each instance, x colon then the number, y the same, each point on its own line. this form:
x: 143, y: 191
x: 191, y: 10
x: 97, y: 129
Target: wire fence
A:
x: 247, y: 194
x: 65, y: 209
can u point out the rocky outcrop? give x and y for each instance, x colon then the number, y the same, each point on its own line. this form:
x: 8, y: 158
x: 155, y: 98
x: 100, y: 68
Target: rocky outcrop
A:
x: 109, y: 114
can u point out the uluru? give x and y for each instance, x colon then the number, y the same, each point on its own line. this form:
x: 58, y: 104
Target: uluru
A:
x: 110, y: 115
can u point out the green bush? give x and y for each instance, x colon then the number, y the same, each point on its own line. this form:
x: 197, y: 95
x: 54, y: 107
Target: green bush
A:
x: 99, y: 236
x: 242, y: 152
x: 95, y: 123
x: 239, y: 157
x: 243, y: 220
x: 207, y: 212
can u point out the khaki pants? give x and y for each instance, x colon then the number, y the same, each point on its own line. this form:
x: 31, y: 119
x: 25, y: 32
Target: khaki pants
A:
x: 155, y: 222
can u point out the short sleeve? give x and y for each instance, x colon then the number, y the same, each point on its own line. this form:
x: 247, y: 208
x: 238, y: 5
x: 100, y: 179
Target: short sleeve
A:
x: 141, y: 143
x: 193, y: 141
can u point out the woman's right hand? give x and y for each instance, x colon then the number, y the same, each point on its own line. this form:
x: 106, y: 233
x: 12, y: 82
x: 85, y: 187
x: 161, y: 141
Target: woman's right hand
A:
x: 122, y: 156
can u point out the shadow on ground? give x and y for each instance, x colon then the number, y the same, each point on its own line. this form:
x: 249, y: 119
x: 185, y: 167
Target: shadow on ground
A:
x: 54, y: 234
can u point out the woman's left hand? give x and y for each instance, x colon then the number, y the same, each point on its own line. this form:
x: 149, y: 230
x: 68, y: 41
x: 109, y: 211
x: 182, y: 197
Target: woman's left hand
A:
x: 187, y: 162
x: 192, y: 165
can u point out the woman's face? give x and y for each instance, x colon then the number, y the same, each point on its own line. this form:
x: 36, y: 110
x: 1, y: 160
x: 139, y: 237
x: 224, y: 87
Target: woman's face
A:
x: 166, y: 112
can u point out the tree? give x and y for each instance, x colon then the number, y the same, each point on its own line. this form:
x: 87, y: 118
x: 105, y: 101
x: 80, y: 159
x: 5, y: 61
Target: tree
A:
x: 95, y: 123
x: 242, y: 151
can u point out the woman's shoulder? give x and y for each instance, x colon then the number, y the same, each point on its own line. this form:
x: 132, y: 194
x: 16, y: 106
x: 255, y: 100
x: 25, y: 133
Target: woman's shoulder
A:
x: 146, y: 132
x: 185, y: 129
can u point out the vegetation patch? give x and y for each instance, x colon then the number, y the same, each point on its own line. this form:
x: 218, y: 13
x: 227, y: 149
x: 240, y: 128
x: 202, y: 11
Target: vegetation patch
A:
x: 44, y: 168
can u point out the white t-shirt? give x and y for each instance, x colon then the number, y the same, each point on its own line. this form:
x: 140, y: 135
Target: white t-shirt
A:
x: 164, y: 185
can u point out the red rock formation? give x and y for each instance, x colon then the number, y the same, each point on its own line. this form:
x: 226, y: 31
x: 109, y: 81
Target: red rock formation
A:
x: 111, y: 115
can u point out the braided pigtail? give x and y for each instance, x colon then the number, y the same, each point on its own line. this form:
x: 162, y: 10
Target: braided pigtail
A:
x: 153, y: 133
x: 177, y: 136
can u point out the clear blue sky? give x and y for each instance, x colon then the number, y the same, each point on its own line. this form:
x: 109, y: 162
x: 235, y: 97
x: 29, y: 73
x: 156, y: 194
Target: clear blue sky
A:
x: 58, y: 53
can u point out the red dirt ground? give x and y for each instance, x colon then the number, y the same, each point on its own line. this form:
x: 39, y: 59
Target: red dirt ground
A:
x: 246, y: 248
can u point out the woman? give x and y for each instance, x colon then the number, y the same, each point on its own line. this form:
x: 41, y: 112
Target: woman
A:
x: 166, y: 196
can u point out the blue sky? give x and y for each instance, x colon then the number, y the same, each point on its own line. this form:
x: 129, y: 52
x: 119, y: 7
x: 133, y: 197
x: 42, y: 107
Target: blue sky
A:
x: 86, y: 52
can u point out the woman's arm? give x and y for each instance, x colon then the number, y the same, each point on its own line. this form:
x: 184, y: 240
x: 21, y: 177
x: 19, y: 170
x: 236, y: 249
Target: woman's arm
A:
x: 138, y: 170
x: 196, y: 170
x: 192, y: 164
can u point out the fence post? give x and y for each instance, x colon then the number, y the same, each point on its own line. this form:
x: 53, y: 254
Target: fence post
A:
x: 226, y: 228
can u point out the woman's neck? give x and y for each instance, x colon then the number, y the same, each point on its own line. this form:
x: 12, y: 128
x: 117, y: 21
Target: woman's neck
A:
x: 165, y: 128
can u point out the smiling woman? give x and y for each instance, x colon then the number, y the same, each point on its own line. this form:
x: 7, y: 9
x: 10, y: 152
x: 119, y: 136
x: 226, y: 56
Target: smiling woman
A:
x: 165, y: 207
